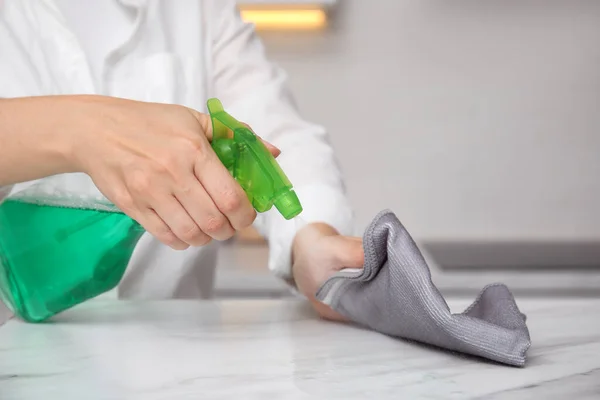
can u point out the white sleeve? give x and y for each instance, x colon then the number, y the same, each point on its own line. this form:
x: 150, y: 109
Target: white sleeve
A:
x: 255, y: 91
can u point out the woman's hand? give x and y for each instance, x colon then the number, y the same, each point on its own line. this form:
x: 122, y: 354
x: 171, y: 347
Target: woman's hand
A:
x: 154, y: 161
x: 318, y: 252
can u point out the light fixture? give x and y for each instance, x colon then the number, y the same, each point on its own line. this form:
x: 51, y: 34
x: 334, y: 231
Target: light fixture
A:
x: 286, y: 15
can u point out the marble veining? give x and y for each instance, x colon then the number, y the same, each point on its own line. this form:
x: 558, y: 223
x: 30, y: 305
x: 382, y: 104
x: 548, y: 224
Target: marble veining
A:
x: 257, y: 349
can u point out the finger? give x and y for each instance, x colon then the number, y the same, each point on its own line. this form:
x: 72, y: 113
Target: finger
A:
x: 204, y: 212
x: 179, y: 222
x: 147, y: 218
x: 159, y: 229
x: 272, y: 148
x: 226, y: 193
x: 349, y: 252
x: 327, y: 312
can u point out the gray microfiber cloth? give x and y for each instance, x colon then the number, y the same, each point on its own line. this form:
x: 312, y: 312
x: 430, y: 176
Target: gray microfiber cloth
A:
x: 393, y: 294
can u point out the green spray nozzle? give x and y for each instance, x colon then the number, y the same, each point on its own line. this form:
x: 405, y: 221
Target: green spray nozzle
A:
x: 251, y: 164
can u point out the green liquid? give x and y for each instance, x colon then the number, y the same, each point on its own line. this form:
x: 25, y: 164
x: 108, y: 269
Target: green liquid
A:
x: 53, y: 258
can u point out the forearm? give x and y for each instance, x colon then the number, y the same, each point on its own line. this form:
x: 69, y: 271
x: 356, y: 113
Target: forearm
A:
x: 35, y: 138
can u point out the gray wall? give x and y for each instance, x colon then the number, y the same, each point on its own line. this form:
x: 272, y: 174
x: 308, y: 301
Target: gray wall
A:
x: 471, y: 119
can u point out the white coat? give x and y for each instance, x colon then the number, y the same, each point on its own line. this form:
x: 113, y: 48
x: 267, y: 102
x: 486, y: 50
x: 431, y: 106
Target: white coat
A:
x: 183, y: 52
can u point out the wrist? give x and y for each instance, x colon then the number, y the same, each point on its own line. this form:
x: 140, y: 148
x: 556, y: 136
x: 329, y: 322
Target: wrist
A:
x: 308, y: 234
x: 66, y: 132
x: 64, y: 128
x: 78, y: 129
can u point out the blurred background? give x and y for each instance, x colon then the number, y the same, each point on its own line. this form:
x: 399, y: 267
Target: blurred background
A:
x: 476, y: 122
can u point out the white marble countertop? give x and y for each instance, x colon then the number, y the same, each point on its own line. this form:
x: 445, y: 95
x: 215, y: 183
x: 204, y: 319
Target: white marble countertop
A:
x: 258, y: 349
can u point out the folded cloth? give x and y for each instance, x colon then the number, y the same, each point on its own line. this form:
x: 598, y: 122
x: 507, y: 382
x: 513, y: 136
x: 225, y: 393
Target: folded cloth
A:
x: 394, y: 295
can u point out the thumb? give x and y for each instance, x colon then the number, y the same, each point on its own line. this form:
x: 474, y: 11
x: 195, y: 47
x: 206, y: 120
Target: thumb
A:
x: 349, y: 252
x: 206, y: 125
x: 204, y: 121
x: 272, y: 149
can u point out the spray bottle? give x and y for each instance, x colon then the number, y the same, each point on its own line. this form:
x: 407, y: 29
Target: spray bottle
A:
x: 58, y: 250
x: 251, y: 164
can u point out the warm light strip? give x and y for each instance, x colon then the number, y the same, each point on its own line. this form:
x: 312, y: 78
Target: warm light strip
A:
x: 286, y: 18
